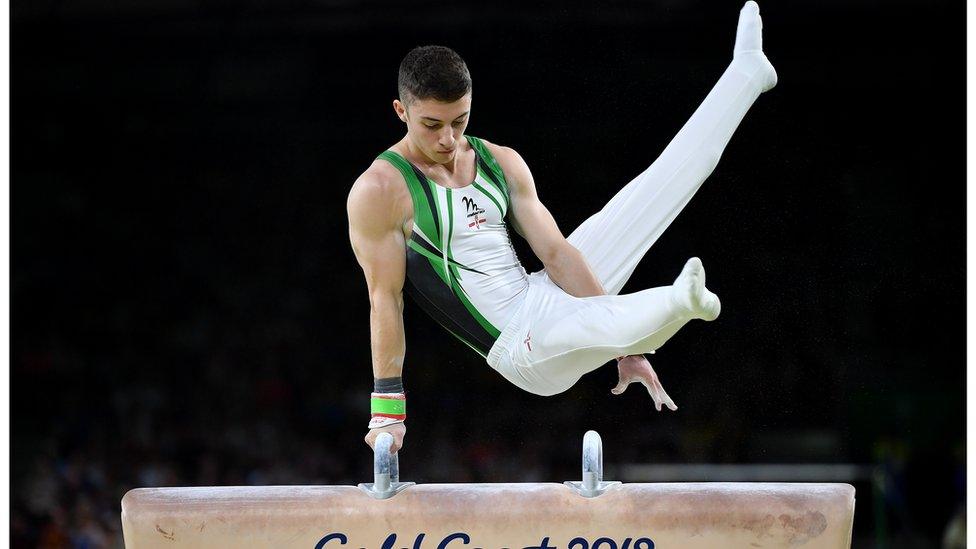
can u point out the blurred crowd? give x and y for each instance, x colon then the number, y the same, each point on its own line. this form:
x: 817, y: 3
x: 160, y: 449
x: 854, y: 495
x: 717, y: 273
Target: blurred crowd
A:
x: 241, y: 419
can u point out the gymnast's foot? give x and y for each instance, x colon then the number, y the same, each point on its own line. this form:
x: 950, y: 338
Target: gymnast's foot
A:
x: 748, y: 54
x: 690, y: 294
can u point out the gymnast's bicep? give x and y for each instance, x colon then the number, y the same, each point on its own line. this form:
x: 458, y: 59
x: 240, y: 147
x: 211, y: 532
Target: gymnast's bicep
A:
x: 376, y: 236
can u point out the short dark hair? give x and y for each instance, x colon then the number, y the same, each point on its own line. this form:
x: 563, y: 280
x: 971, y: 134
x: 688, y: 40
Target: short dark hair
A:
x: 433, y: 72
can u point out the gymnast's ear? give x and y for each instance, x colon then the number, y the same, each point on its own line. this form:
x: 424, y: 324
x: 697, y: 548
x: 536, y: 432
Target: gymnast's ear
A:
x: 401, y: 110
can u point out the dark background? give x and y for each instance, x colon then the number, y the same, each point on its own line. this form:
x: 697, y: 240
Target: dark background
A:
x: 186, y: 308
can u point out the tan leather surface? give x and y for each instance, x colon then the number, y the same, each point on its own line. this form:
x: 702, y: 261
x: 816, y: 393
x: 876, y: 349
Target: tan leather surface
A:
x: 516, y: 515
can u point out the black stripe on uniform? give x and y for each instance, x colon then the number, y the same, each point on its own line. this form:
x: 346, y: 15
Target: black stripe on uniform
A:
x: 438, y: 300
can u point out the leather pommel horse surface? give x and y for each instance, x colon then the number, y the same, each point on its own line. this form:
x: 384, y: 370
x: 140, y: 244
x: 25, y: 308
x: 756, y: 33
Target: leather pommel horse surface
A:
x: 516, y: 516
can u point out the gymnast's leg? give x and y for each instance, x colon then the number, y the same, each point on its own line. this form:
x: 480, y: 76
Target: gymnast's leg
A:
x: 572, y: 336
x: 614, y: 240
x: 577, y: 338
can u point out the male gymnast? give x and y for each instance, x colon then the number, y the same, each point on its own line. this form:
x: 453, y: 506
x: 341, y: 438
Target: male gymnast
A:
x: 432, y: 213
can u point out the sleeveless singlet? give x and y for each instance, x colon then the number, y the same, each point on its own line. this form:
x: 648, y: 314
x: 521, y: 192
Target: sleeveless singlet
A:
x: 461, y: 267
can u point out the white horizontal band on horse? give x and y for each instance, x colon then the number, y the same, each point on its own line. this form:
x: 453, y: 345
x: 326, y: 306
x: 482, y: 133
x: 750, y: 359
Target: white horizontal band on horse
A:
x: 516, y: 515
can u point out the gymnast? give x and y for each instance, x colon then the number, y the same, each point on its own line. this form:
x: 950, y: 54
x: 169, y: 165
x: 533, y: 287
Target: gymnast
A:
x: 431, y: 215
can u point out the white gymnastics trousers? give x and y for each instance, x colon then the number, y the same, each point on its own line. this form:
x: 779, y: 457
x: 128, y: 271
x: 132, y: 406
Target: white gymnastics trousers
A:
x: 555, y: 338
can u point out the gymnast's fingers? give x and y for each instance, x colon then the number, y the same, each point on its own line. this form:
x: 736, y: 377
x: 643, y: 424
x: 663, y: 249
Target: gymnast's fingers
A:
x: 659, y: 395
x: 667, y: 400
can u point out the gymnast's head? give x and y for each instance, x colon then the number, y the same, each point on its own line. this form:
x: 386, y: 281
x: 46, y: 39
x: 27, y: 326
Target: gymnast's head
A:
x: 435, y: 100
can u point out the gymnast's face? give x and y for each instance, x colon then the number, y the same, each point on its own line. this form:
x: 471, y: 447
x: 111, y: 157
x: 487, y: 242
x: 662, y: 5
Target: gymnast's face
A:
x: 434, y: 127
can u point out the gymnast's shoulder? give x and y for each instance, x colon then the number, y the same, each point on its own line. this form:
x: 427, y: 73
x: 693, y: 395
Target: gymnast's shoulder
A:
x: 379, y: 192
x: 511, y: 162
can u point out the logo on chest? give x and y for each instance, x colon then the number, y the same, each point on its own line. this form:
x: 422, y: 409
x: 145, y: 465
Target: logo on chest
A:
x: 475, y: 214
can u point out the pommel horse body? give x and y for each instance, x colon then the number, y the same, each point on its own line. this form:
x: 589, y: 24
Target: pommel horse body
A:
x: 587, y: 514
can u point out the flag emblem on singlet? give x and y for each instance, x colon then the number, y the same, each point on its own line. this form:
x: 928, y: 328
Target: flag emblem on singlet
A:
x: 475, y: 214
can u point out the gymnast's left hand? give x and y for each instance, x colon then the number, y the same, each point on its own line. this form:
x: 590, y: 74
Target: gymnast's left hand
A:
x: 398, y: 430
x: 636, y: 368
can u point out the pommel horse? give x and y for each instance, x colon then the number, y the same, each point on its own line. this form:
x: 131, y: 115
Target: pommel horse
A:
x: 587, y: 514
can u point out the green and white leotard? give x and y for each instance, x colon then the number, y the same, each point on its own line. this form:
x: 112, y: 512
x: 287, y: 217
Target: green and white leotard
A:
x: 461, y: 266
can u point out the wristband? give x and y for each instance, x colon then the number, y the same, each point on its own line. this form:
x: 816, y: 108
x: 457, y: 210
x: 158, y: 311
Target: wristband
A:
x: 388, y: 385
x: 387, y: 409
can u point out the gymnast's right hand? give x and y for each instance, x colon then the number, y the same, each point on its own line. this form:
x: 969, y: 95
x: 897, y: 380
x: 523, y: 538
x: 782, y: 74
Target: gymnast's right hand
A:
x: 398, y: 430
x: 636, y: 368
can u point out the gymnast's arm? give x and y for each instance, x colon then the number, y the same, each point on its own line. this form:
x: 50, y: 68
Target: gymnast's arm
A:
x: 376, y: 218
x: 565, y: 264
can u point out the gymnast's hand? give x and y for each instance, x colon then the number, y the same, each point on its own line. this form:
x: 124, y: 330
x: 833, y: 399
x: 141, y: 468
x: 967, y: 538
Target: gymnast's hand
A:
x: 636, y: 368
x: 398, y: 430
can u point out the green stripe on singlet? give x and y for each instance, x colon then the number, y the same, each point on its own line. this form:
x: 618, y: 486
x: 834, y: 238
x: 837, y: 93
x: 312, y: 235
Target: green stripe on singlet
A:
x: 463, y: 297
x: 489, y: 176
x: 484, y: 191
x: 450, y: 227
x: 489, y: 167
x: 425, y: 207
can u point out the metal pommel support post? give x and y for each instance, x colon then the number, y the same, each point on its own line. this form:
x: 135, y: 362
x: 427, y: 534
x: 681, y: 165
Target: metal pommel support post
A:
x: 593, y: 484
x: 386, y: 471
